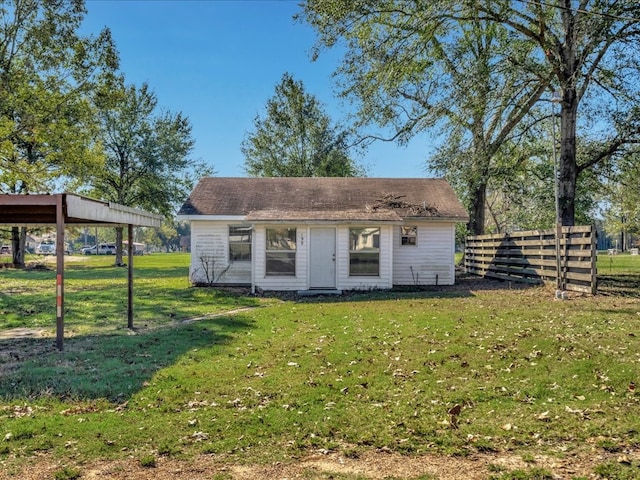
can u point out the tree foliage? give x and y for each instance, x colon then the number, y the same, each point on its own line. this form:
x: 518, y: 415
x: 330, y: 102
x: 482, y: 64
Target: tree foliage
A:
x: 591, y: 49
x: 295, y: 138
x: 47, y: 73
x: 477, y: 67
x: 622, y: 212
x: 521, y: 193
x: 147, y: 153
x: 411, y: 68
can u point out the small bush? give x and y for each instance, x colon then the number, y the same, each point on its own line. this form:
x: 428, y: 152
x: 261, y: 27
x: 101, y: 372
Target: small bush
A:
x: 148, y: 461
x: 533, y: 474
x: 67, y: 473
x: 617, y: 471
x: 609, y: 445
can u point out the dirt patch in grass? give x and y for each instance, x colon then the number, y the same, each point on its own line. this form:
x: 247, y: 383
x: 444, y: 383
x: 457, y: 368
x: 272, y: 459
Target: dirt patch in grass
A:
x: 373, y: 465
x: 16, y: 347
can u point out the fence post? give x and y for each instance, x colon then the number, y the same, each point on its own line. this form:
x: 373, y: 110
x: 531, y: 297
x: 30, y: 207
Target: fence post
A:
x: 559, y: 285
x: 594, y: 260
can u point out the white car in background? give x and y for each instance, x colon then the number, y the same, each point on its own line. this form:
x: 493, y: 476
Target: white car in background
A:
x: 46, y: 247
x: 103, y: 249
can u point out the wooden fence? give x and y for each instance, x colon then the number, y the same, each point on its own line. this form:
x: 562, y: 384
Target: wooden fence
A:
x: 531, y: 257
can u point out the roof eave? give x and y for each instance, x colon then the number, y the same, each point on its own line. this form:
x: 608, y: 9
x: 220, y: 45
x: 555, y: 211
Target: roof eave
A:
x: 307, y: 221
x: 444, y: 218
x: 326, y: 222
x: 209, y: 217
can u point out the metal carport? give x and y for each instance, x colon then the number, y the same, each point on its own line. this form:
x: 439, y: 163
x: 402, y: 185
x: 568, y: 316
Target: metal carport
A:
x: 69, y: 209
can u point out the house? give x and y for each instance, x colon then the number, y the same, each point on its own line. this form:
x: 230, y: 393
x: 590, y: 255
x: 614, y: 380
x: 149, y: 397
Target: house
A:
x: 322, y: 234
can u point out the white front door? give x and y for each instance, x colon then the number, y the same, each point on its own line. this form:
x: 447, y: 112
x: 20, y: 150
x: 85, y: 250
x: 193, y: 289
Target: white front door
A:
x: 322, y: 255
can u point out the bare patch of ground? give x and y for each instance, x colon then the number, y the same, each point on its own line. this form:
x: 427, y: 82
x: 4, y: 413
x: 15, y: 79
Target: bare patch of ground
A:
x: 17, y: 333
x: 16, y: 347
x: 373, y: 465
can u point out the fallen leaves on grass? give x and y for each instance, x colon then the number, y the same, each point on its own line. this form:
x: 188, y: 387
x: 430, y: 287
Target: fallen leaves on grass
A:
x: 80, y: 409
x: 544, y: 416
x: 19, y: 411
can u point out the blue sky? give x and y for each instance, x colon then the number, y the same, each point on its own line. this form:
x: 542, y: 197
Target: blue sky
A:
x: 218, y: 62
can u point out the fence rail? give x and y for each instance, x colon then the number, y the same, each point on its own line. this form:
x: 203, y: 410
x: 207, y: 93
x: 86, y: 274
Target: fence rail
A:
x: 531, y: 257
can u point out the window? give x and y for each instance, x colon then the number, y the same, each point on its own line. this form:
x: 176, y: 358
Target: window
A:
x: 364, y: 251
x: 409, y: 235
x: 281, y: 251
x: 239, y: 243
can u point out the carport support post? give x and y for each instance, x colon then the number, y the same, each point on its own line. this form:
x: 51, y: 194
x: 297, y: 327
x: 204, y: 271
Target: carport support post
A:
x: 59, y: 272
x: 130, y: 277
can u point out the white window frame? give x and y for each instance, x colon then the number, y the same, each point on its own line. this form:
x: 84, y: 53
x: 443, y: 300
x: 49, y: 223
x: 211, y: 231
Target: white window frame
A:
x: 362, y: 249
x: 285, y: 248
x: 408, y: 233
x: 249, y: 242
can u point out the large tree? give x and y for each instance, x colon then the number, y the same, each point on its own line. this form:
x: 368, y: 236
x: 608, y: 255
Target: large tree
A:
x: 591, y: 49
x: 295, y: 138
x: 587, y: 50
x: 147, y: 150
x: 410, y: 68
x: 148, y: 163
x: 47, y: 71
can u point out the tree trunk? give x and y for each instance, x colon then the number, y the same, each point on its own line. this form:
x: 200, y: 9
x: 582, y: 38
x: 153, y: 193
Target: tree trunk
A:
x: 478, y: 196
x: 119, y: 237
x: 18, y: 242
x: 567, y: 165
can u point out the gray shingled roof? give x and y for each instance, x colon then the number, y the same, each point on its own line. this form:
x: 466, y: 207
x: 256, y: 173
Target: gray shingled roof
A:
x: 328, y: 198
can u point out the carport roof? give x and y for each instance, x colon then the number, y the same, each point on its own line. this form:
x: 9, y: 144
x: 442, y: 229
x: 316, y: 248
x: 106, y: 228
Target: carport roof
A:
x: 63, y: 209
x: 40, y: 209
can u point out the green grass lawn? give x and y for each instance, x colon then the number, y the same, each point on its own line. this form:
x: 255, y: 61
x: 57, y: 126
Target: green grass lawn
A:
x: 96, y: 294
x: 529, y: 374
x: 619, y: 274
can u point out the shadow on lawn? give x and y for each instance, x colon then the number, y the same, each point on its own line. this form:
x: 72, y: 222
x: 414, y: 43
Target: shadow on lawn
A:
x: 466, y: 286
x: 105, y: 303
x: 92, y: 272
x: 621, y: 285
x: 113, y: 366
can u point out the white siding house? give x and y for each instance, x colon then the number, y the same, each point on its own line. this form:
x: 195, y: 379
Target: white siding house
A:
x: 428, y: 261
x: 322, y: 234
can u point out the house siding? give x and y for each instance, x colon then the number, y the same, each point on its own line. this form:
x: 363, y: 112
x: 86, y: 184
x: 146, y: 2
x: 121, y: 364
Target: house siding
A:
x: 210, y: 245
x: 431, y: 261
